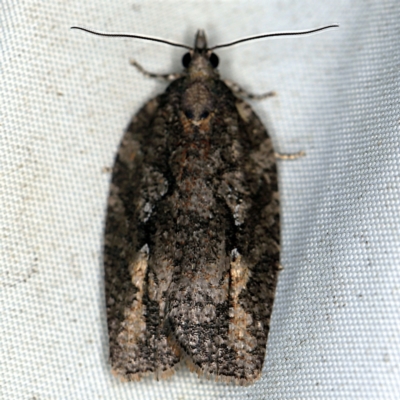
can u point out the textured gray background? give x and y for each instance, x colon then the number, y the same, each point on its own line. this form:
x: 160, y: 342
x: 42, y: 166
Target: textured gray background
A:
x: 66, y: 98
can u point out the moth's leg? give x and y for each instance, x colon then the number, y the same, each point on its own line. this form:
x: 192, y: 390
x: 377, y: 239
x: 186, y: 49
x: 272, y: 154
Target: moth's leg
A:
x: 240, y: 92
x: 165, y: 77
x: 293, y: 156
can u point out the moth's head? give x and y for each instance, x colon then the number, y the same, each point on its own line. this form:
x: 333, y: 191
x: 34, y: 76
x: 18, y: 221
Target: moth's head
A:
x: 200, y: 58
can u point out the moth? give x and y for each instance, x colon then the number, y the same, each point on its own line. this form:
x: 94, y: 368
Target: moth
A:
x: 191, y: 249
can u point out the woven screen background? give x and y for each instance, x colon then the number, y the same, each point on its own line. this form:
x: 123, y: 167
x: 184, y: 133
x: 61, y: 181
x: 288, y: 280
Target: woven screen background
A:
x: 66, y: 98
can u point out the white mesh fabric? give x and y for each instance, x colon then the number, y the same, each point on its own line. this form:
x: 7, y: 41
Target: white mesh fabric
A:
x: 66, y: 98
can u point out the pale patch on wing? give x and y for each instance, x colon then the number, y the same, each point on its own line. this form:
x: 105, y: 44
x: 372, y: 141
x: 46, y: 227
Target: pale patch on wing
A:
x: 241, y: 341
x: 134, y: 325
x: 244, y: 110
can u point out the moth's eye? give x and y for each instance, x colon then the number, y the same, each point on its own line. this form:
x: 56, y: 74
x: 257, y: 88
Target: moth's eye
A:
x: 214, y: 60
x: 186, y: 60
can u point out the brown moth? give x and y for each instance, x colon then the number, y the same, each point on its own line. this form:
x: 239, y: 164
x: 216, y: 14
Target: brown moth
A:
x: 192, y: 233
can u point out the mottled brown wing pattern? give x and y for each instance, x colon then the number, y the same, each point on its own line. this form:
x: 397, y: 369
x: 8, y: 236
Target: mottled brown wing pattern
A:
x: 137, y: 347
x: 192, y: 237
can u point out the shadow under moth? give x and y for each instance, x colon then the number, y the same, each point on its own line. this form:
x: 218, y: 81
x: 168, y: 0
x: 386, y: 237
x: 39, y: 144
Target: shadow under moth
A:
x: 192, y: 233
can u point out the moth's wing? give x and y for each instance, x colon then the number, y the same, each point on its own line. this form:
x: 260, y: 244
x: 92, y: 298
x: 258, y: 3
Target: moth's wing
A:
x: 221, y: 316
x: 255, y: 265
x: 137, y: 347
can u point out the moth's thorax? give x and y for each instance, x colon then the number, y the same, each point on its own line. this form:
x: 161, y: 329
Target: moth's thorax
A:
x: 197, y: 104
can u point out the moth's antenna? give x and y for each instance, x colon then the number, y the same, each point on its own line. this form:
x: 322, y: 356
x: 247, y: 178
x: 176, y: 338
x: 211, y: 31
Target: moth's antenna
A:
x: 127, y: 35
x: 246, y: 39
